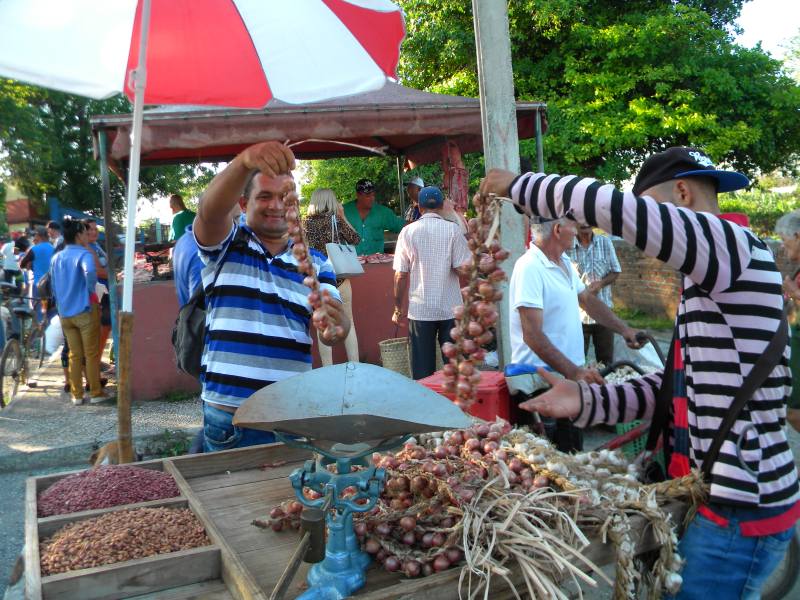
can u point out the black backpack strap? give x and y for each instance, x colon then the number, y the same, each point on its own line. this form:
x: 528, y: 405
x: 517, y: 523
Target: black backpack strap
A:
x: 239, y: 240
x: 768, y: 360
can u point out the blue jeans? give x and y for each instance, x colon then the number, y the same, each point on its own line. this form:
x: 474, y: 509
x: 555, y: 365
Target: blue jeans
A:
x: 722, y: 563
x: 219, y: 432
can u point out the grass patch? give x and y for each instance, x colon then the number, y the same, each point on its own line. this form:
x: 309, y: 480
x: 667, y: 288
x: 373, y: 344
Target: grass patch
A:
x: 641, y: 320
x: 172, y: 443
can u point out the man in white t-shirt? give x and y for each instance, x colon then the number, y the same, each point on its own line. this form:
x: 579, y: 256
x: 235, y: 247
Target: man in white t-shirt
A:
x: 10, y: 262
x: 545, y: 324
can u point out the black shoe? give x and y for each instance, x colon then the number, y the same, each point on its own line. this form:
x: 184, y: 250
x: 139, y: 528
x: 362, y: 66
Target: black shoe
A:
x: 103, y: 383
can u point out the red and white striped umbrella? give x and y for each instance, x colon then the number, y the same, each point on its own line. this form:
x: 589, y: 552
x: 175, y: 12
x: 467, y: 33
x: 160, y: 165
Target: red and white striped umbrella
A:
x: 237, y: 53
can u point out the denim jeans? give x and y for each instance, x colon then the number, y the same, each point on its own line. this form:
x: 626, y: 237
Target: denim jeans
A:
x: 219, y: 432
x: 722, y: 563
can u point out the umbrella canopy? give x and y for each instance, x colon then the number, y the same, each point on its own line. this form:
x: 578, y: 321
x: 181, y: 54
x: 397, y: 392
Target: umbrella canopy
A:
x: 239, y: 53
x: 220, y: 52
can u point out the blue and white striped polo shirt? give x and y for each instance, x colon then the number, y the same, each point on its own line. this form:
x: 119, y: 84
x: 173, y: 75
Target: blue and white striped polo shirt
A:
x: 257, y: 318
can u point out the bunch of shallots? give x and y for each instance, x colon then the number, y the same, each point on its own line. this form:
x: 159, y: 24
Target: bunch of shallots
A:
x: 478, y: 315
x: 317, y: 299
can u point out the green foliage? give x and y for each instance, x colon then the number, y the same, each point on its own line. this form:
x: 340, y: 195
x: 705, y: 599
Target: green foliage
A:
x: 48, y: 144
x: 621, y: 79
x: 762, y: 207
x: 172, y: 443
x: 640, y: 320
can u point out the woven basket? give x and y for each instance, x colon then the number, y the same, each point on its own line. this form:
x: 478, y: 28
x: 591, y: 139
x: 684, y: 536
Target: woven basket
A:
x: 396, y: 356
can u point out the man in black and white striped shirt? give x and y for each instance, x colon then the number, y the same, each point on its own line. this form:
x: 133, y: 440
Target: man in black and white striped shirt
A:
x: 730, y: 308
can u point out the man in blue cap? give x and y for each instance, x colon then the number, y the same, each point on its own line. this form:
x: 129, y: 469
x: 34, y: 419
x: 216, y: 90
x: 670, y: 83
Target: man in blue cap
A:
x: 428, y: 255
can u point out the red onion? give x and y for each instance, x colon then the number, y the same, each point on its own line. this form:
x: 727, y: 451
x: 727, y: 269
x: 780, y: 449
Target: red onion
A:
x: 392, y: 564
x: 408, y: 523
x: 490, y: 447
x: 408, y: 538
x: 412, y: 568
x: 453, y: 555
x: 440, y: 563
x: 515, y: 465
x: 540, y: 482
x: 472, y: 445
x: 294, y: 507
x: 276, y: 525
x: 440, y: 470
x: 482, y: 430
x: 372, y: 546
x: 427, y: 540
x: 441, y: 453
x: 427, y: 569
x: 277, y: 513
x: 383, y: 529
x: 360, y: 528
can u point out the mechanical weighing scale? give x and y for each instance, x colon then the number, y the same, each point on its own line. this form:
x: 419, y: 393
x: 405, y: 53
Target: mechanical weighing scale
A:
x: 342, y: 413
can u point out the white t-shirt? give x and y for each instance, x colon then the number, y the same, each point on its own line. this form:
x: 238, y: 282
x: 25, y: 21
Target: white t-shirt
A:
x: 537, y: 282
x: 10, y: 262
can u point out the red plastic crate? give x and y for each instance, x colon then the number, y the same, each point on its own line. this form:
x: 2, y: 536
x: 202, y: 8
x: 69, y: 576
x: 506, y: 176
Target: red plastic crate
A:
x: 493, y: 400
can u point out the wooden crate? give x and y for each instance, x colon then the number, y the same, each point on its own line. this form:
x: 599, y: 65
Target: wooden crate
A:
x: 195, y: 571
x: 227, y: 490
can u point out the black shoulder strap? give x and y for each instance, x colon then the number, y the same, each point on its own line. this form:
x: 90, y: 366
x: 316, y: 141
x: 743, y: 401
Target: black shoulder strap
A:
x: 239, y: 238
x: 660, y: 423
x: 768, y: 360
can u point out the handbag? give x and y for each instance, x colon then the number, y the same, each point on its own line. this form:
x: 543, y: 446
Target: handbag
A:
x: 343, y: 257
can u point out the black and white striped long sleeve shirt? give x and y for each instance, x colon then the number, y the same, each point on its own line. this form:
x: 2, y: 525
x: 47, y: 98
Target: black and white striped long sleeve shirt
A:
x: 729, y: 310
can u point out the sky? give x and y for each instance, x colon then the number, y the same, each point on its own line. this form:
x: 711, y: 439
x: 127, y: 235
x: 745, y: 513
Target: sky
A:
x: 772, y: 22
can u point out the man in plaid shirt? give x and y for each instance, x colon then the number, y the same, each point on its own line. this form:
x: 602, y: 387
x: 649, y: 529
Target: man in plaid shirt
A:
x: 428, y: 255
x: 598, y: 267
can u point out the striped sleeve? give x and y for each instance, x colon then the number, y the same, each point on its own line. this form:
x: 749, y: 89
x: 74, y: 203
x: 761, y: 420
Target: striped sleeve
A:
x: 621, y: 403
x: 708, y: 250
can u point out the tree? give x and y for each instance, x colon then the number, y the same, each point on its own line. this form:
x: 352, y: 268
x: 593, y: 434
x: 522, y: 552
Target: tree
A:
x: 48, y: 149
x: 622, y: 78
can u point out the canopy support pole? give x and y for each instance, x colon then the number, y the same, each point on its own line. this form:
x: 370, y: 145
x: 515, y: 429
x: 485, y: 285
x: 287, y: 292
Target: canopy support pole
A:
x: 539, y: 148
x: 139, y: 80
x: 110, y: 231
x: 500, y: 140
x: 399, y: 162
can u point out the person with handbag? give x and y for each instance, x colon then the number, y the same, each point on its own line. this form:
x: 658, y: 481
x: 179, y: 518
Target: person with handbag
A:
x: 724, y: 391
x: 430, y: 251
x: 326, y: 226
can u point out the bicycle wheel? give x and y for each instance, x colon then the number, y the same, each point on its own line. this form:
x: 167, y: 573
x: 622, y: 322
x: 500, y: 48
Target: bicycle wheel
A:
x: 10, y: 371
x: 34, y: 352
x: 782, y: 581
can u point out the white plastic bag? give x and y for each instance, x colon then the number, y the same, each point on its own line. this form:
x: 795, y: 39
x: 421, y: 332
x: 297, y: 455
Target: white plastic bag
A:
x: 53, y: 335
x: 646, y: 357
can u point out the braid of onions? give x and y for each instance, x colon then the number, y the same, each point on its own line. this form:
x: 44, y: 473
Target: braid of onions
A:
x: 475, y: 319
x: 318, y: 299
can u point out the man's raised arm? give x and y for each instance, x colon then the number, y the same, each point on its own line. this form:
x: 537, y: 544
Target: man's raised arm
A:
x: 213, y: 223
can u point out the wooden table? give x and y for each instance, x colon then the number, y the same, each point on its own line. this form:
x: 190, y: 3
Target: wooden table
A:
x: 227, y: 490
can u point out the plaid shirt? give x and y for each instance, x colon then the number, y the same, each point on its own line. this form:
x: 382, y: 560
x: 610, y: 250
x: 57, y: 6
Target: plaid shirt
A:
x: 430, y: 249
x: 594, y: 263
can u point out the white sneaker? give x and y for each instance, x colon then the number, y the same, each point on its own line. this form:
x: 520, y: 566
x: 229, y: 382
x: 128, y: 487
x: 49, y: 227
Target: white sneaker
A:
x: 77, y: 401
x: 99, y: 399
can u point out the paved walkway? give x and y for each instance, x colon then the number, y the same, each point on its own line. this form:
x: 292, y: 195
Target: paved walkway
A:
x: 41, y: 427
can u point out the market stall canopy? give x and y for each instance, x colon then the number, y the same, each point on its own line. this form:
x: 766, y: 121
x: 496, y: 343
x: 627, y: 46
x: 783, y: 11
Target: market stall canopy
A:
x: 394, y: 120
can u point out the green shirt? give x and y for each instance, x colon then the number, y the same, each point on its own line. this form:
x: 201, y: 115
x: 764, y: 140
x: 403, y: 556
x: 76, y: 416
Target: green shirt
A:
x: 379, y: 219
x: 180, y: 222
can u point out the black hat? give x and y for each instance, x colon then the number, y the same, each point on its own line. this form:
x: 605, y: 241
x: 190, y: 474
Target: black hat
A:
x: 679, y: 162
x: 365, y: 186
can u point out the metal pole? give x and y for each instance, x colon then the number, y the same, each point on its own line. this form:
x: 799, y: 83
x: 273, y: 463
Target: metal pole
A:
x: 539, y: 149
x: 400, y: 185
x: 110, y: 239
x: 499, y: 125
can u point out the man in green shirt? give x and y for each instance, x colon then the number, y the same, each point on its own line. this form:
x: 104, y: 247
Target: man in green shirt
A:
x: 370, y: 220
x: 182, y: 217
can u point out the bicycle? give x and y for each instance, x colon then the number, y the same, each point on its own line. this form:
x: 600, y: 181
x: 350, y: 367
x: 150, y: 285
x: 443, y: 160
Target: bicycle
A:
x: 24, y: 349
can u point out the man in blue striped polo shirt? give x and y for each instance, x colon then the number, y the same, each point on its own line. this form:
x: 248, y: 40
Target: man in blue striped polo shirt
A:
x: 258, y: 315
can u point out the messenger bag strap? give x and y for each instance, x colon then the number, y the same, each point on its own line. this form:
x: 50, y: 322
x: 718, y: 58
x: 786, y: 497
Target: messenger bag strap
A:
x: 768, y: 360
x: 660, y: 422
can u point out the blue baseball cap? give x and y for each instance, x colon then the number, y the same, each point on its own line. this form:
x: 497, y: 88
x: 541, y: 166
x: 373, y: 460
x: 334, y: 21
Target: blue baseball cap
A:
x: 430, y: 197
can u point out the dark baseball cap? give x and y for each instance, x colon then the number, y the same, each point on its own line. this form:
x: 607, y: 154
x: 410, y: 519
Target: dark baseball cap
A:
x: 679, y: 162
x: 365, y: 186
x: 430, y: 197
